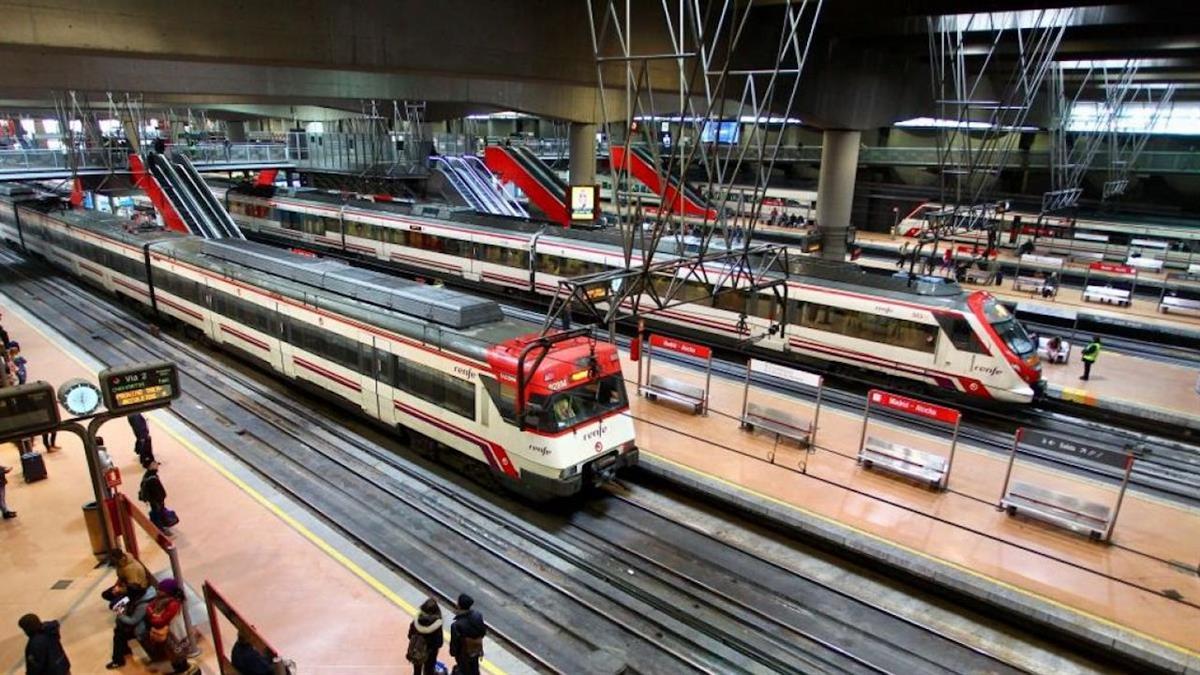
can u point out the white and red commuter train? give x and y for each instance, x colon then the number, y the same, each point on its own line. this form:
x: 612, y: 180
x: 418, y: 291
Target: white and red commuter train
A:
x: 438, y: 365
x: 934, y: 334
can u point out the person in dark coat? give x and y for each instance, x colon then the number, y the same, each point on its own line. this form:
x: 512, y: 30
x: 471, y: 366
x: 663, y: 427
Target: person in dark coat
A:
x: 466, y: 636
x: 153, y: 493
x: 142, y: 444
x: 8, y: 515
x: 44, y: 653
x: 247, y: 659
x: 425, y: 638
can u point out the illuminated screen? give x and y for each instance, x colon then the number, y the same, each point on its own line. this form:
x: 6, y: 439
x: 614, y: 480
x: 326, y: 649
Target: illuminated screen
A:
x: 721, y: 132
x: 583, y: 202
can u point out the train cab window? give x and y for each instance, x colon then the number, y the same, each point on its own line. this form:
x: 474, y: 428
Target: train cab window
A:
x: 504, y: 396
x: 961, y: 334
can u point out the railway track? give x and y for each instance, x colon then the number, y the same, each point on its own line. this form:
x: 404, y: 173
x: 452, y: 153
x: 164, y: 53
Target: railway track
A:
x: 547, y: 581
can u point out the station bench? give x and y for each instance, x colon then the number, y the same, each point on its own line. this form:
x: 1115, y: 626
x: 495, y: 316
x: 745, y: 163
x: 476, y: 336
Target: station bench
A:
x: 975, y: 275
x: 677, y: 391
x: 1031, y: 284
x: 1068, y: 512
x: 1152, y: 264
x: 776, y: 421
x: 1117, y: 296
x: 1193, y: 270
x: 903, y: 460
x: 1178, y: 304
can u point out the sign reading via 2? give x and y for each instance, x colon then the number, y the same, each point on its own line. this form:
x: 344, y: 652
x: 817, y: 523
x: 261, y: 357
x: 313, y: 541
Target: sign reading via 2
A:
x: 140, y: 386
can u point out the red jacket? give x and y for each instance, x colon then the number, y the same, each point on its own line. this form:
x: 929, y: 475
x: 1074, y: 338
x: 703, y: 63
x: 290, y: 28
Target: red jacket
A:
x: 162, y: 610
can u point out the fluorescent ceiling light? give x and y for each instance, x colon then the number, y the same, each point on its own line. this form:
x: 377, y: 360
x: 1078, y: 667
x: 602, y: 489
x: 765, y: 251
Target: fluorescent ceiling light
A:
x: 1180, y: 118
x: 1117, y: 64
x: 503, y: 115
x: 938, y: 123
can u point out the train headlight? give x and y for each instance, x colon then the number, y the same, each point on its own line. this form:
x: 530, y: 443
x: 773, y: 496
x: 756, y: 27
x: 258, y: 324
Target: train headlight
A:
x: 1033, y: 361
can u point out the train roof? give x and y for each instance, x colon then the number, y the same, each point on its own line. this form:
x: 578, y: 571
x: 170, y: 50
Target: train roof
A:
x: 434, y: 315
x: 812, y: 271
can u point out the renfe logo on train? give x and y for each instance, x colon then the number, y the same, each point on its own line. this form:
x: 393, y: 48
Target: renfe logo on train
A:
x: 914, y: 407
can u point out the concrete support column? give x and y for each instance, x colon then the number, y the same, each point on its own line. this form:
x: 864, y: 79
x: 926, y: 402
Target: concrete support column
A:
x: 835, y: 189
x: 583, y: 154
x: 235, y: 131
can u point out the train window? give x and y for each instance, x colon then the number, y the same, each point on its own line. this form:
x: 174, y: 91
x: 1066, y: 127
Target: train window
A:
x: 731, y: 301
x: 455, y: 247
x: 867, y: 326
x: 504, y: 396
x: 397, y: 236
x: 961, y: 334
x: 460, y: 396
x: 430, y: 384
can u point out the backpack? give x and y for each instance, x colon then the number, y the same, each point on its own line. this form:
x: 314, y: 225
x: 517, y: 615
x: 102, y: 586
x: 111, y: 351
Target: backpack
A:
x: 418, y: 650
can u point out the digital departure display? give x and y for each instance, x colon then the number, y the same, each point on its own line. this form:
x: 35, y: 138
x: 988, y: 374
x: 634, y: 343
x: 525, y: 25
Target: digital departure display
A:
x: 143, y: 385
x: 27, y: 410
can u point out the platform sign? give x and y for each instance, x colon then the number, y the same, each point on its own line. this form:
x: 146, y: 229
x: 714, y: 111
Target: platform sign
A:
x: 680, y: 346
x: 1114, y: 268
x: 785, y: 373
x: 27, y: 410
x: 1073, y: 448
x: 583, y: 202
x: 913, y: 406
x: 140, y: 386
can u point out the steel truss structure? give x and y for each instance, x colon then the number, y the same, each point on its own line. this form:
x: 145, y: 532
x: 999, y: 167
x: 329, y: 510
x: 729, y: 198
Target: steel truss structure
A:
x: 705, y: 75
x: 984, y: 111
x: 1126, y: 145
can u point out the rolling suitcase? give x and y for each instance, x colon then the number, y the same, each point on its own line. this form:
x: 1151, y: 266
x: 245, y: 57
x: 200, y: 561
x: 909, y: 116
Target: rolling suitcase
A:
x: 33, y: 466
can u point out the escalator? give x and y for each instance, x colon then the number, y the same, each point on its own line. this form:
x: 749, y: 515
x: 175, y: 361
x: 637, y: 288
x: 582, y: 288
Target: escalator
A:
x: 218, y: 218
x: 543, y: 187
x: 475, y: 186
x: 676, y: 195
x: 182, y: 197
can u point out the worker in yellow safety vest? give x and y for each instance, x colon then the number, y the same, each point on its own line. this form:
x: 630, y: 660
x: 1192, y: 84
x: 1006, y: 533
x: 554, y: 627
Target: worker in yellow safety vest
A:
x: 1090, y: 353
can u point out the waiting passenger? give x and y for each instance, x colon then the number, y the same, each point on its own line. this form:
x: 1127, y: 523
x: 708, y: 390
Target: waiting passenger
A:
x: 466, y: 636
x: 19, y: 364
x: 425, y: 638
x: 130, y: 574
x: 8, y: 515
x: 44, y: 653
x: 130, y: 624
x: 161, y: 611
x: 247, y: 659
x: 153, y: 493
x: 142, y: 445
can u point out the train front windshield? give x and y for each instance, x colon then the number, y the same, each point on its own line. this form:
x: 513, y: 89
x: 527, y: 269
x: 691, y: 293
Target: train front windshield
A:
x: 581, y: 404
x: 1011, y: 333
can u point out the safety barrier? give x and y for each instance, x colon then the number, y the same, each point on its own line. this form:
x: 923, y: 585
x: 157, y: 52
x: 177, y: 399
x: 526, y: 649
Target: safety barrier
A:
x: 921, y: 465
x: 1067, y: 511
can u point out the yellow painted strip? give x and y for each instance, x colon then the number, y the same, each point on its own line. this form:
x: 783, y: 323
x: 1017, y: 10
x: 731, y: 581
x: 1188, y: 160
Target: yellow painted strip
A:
x: 1108, y: 622
x: 320, y: 543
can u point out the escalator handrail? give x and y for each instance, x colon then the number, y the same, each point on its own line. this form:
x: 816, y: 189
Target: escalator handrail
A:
x: 456, y: 180
x: 217, y: 211
x: 485, y: 174
x: 540, y: 172
x: 168, y: 183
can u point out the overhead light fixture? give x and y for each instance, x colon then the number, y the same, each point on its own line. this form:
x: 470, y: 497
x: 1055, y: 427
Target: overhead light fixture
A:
x: 939, y: 123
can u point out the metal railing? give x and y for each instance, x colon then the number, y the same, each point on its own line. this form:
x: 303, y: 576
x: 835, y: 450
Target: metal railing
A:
x: 91, y: 160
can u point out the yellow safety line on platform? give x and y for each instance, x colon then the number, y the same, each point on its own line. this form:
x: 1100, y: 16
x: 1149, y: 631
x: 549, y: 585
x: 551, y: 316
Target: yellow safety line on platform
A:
x: 296, y: 525
x: 1108, y: 622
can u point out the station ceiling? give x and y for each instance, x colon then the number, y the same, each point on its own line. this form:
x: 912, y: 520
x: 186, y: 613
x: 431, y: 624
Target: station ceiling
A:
x: 869, y: 64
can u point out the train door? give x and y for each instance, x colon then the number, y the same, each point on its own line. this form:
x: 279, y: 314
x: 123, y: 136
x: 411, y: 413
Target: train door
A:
x: 960, y: 348
x: 286, y: 350
x: 533, y: 243
x: 279, y: 360
x: 212, y: 317
x: 370, y: 368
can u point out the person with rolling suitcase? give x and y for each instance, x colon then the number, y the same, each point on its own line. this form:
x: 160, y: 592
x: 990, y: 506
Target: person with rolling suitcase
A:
x: 8, y: 515
x: 153, y: 493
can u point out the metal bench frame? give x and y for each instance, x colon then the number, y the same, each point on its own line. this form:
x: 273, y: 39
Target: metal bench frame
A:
x: 1022, y: 281
x: 901, y: 459
x: 1093, y: 519
x: 1178, y: 304
x: 1107, y: 294
x: 772, y: 420
x: 658, y: 386
x: 927, y: 467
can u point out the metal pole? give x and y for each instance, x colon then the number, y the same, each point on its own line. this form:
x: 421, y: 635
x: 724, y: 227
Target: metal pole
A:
x: 177, y: 572
x: 649, y: 355
x: 1011, y: 460
x: 953, y: 447
x: 812, y: 428
x: 87, y: 435
x: 862, y: 440
x: 707, y: 384
x: 1112, y: 523
x: 746, y: 392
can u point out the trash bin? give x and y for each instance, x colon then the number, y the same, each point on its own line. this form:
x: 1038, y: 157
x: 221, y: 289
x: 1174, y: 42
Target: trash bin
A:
x: 95, y: 529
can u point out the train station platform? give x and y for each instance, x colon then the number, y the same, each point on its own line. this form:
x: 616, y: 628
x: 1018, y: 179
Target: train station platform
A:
x: 1153, y: 390
x: 319, y: 599
x: 1139, y: 595
x: 1142, y: 309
